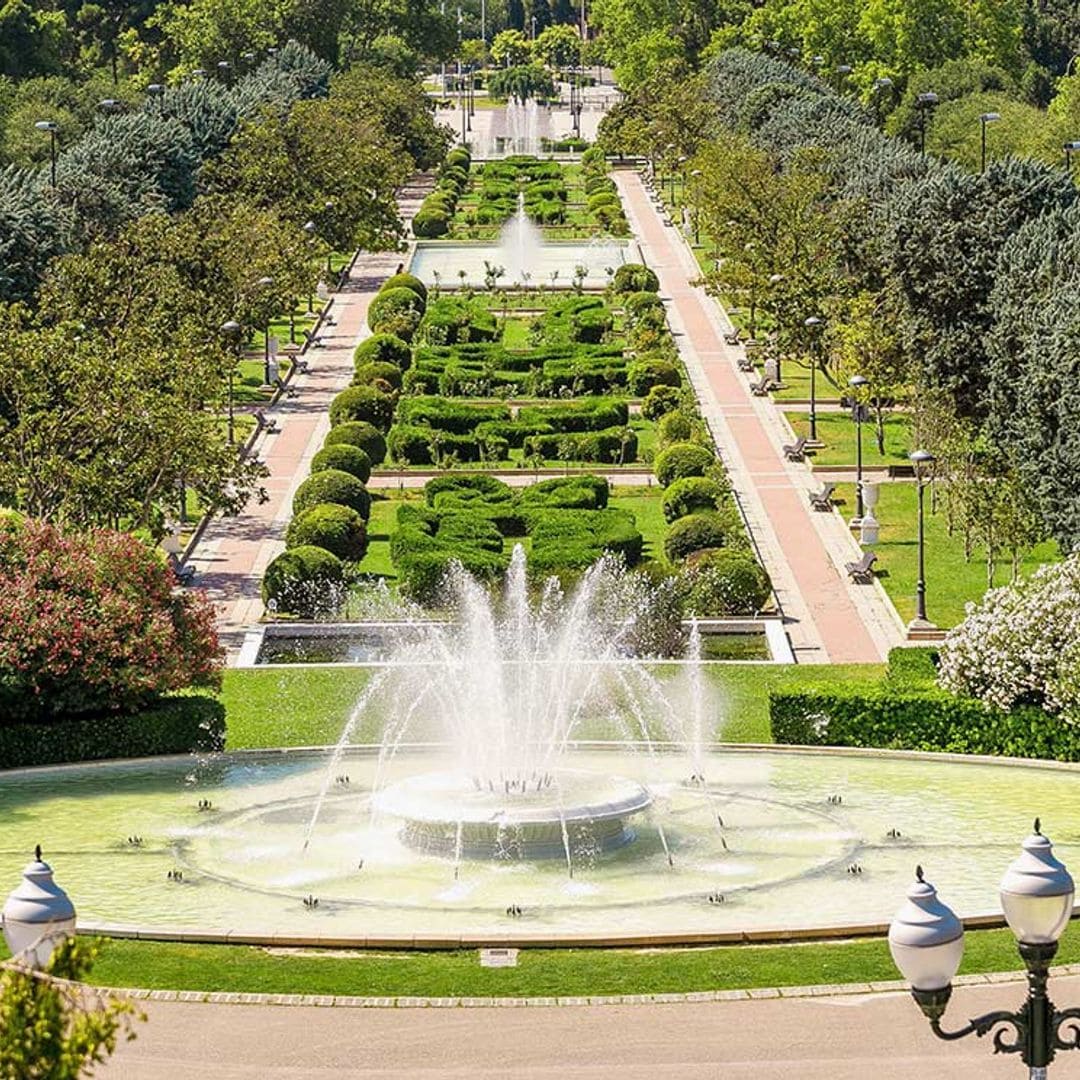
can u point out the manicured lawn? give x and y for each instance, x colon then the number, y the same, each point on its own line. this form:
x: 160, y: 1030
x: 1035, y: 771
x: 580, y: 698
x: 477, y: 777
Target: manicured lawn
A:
x: 540, y: 972
x: 837, y: 432
x: 381, y: 526
x: 644, y: 504
x: 797, y: 385
x: 951, y: 581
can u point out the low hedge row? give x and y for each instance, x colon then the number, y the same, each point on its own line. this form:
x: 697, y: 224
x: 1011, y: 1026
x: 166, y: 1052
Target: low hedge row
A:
x: 574, y: 539
x: 433, y: 217
x: 175, y: 725
x: 617, y: 445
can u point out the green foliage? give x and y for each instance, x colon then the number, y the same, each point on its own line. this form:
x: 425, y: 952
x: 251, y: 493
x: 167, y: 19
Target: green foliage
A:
x: 681, y: 460
x: 675, y: 427
x: 521, y: 82
x: 586, y: 414
x: 644, y: 374
x: 448, y: 415
x: 396, y: 311
x: 635, y: 278
x: 690, y: 495
x: 617, y: 445
x: 572, y: 540
x: 344, y: 458
x: 332, y: 486
x: 660, y: 401
x: 696, y: 532
x: 304, y: 581
x: 185, y: 724
x: 567, y: 493
x: 407, y: 281
x: 723, y: 583
x: 382, y: 376
x: 361, y: 434
x: 364, y: 403
x: 452, y: 320
x: 911, y: 668
x: 479, y: 486
x: 383, y: 349
x: 335, y: 528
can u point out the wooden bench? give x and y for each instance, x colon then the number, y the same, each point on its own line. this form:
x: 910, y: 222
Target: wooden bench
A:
x: 732, y: 337
x: 822, y: 500
x: 796, y: 451
x: 266, y: 423
x: 185, y: 575
x: 762, y: 388
x: 745, y: 363
x: 863, y: 570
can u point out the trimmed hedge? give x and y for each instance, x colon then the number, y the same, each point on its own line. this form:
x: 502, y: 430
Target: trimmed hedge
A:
x: 343, y: 458
x: 927, y: 720
x: 453, y: 416
x: 574, y: 539
x: 643, y: 375
x: 634, y: 278
x: 174, y: 725
x: 452, y: 320
x: 479, y: 486
x: 332, y: 486
x: 383, y: 349
x: 682, y: 459
x: 691, y: 495
x: 660, y: 401
x: 406, y: 281
x: 304, y: 581
x: 379, y: 374
x: 708, y: 529
x: 617, y: 444
x: 567, y: 493
x: 332, y: 527
x: 421, y: 573
x: 675, y: 427
x: 366, y: 403
x: 359, y: 433
x: 585, y: 414
x: 724, y: 582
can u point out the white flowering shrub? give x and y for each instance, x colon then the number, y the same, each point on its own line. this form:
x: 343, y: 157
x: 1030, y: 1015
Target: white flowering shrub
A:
x: 1021, y: 645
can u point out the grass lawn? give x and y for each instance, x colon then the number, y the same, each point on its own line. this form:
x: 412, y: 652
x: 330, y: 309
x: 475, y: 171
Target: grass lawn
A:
x: 381, y: 525
x: 797, y: 385
x: 951, y: 581
x: 644, y: 504
x: 837, y: 432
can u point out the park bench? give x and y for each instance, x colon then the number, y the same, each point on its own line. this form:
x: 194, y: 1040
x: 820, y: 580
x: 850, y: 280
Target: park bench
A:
x: 266, y: 423
x: 745, y: 363
x: 761, y: 389
x: 732, y: 337
x: 796, y: 451
x: 863, y: 570
x: 185, y: 575
x: 822, y: 500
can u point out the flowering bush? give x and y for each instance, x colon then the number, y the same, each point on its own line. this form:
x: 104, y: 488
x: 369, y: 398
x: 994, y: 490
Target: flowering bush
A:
x: 92, y: 623
x: 1021, y: 645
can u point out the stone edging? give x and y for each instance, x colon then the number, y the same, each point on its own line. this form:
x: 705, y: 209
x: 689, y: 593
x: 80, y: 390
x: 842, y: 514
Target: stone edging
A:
x: 701, y: 996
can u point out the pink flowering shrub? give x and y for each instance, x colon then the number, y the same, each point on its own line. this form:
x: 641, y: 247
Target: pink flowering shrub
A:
x: 1021, y: 645
x: 91, y: 623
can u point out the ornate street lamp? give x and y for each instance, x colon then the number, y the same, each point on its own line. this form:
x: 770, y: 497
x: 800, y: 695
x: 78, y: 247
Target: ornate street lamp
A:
x: 1070, y: 148
x: 857, y: 382
x: 38, y: 916
x: 52, y: 128
x: 984, y: 119
x: 231, y: 332
x: 266, y: 283
x: 926, y: 940
x: 924, y: 103
x: 812, y: 324
x: 923, y: 461
x: 311, y: 229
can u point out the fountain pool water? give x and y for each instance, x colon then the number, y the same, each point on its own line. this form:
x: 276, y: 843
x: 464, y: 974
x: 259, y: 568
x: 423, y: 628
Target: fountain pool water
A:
x: 518, y: 772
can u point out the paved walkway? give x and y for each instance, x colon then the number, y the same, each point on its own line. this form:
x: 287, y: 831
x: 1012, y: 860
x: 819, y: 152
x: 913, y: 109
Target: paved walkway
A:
x: 827, y: 1038
x: 233, y: 552
x: 828, y: 619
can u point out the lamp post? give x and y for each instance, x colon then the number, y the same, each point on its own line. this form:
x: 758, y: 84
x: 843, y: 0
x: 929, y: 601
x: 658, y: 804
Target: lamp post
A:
x: 812, y: 324
x: 984, y: 119
x: 1070, y: 148
x: 225, y: 71
x: 857, y: 382
x: 695, y: 174
x: 231, y: 332
x: 923, y: 461
x: 52, y: 128
x: 38, y: 915
x: 310, y: 228
x: 774, y: 280
x: 924, y: 103
x: 878, y: 90
x: 842, y: 72
x: 266, y: 283
x: 927, y: 943
x: 110, y: 105
x: 328, y: 208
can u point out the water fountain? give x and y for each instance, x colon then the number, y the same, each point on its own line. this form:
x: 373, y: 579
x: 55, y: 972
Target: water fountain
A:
x: 520, y: 245
x: 522, y: 126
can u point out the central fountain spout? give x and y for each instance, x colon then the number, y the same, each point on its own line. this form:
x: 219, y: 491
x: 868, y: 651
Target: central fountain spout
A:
x: 519, y: 245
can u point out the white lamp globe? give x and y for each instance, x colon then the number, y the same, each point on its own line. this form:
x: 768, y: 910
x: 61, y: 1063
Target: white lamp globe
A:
x: 1037, y: 893
x: 37, y: 916
x: 926, y: 939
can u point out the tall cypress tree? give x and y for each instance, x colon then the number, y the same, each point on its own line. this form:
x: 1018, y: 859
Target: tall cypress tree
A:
x: 515, y: 14
x: 541, y: 13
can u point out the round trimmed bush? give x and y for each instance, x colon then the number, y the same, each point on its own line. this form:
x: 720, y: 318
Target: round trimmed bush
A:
x: 429, y: 223
x: 304, y: 581
x: 366, y: 403
x: 332, y: 527
x: 383, y: 349
x: 724, y: 582
x: 406, y: 281
x: 643, y: 375
x: 709, y: 529
x: 381, y: 375
x: 633, y: 277
x: 682, y: 459
x: 637, y: 303
x: 362, y: 434
x: 660, y: 401
x: 396, y: 311
x: 332, y: 486
x: 344, y: 458
x: 676, y: 427
x: 690, y: 495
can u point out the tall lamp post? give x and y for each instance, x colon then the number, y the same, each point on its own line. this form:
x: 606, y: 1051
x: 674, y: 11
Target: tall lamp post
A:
x: 52, y: 127
x: 266, y: 283
x: 1070, y: 148
x: 857, y: 383
x: 695, y: 175
x: 924, y: 103
x: 984, y: 119
x: 923, y: 461
x: 927, y: 943
x: 774, y: 280
x: 38, y: 915
x: 231, y: 332
x: 812, y: 325
x: 879, y: 88
x: 310, y: 228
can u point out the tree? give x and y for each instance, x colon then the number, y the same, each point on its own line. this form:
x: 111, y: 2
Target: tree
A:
x: 32, y: 42
x: 52, y: 1026
x: 206, y: 31
x: 511, y: 48
x: 515, y: 14
x: 558, y: 46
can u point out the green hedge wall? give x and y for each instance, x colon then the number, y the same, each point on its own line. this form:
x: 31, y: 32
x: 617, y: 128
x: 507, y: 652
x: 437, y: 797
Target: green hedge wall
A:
x: 175, y: 725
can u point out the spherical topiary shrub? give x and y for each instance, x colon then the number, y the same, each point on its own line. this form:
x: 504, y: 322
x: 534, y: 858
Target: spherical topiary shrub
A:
x: 633, y: 277
x: 304, y: 581
x: 690, y: 495
x: 332, y: 486
x: 643, y: 375
x: 383, y: 349
x: 383, y: 376
x: 362, y: 434
x: 722, y: 583
x: 366, y: 403
x: 638, y: 303
x: 344, y: 458
x: 676, y: 427
x: 428, y: 224
x: 335, y: 528
x: 406, y: 281
x: 396, y: 311
x: 660, y: 401
x: 682, y: 459
x: 710, y: 529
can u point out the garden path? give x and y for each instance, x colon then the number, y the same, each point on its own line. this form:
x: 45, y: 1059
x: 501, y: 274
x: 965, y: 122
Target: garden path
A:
x: 233, y: 552
x: 828, y: 619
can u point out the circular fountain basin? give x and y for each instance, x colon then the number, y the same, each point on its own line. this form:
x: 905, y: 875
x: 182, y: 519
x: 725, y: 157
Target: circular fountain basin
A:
x: 539, y: 817
x: 762, y: 847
